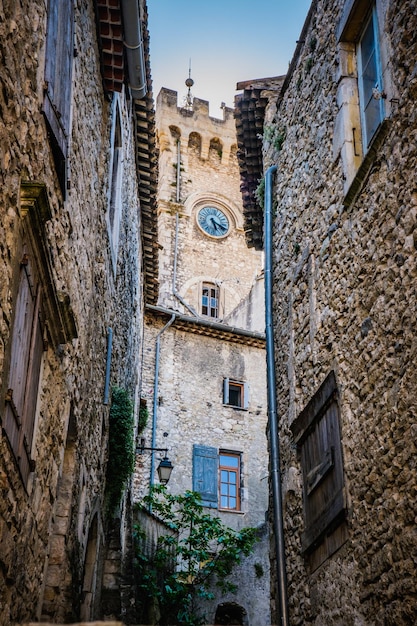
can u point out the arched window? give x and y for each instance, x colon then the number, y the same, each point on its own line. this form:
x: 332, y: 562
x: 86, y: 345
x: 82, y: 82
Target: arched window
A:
x: 216, y: 149
x: 175, y: 132
x: 194, y: 142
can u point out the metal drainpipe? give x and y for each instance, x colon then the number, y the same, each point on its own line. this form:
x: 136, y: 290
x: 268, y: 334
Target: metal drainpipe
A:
x: 272, y: 406
x: 133, y: 43
x: 108, y: 366
x: 155, y: 397
x: 177, y: 197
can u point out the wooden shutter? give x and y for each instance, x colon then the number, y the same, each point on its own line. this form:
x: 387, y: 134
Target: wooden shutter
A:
x: 25, y: 365
x: 205, y: 474
x: 58, y: 74
x: 317, y: 433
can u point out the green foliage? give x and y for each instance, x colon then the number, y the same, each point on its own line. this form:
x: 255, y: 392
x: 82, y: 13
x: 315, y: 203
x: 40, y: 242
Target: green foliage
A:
x: 121, y: 449
x: 260, y: 193
x: 143, y: 417
x: 199, y: 555
x: 308, y: 65
x: 259, y: 570
x: 274, y: 136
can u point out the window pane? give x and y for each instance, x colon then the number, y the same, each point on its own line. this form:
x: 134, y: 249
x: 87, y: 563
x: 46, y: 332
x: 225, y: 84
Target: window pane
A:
x: 229, y: 461
x: 232, y: 490
x: 224, y: 474
x: 210, y: 300
x: 235, y: 395
x: 372, y: 109
x: 224, y: 502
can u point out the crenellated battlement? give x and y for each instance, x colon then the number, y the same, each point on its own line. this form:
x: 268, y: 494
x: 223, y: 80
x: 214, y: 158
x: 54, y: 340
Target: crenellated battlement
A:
x: 200, y: 108
x: 189, y: 138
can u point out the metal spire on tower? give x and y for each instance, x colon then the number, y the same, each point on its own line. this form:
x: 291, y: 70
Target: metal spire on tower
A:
x: 188, y: 100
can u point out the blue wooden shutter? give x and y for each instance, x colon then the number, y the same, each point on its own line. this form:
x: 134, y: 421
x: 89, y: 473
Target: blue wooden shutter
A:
x: 205, y: 464
x: 58, y: 80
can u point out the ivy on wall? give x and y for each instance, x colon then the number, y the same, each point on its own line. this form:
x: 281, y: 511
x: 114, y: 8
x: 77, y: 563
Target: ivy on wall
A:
x: 121, y: 447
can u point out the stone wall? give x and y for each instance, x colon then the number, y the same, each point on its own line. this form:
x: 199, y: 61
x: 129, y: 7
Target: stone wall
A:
x: 52, y: 533
x: 344, y: 300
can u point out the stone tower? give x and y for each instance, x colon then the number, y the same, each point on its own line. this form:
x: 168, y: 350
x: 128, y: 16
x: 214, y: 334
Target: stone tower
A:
x: 204, y: 362
x: 199, y: 183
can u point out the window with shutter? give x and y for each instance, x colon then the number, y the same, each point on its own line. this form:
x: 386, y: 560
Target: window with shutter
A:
x: 39, y: 316
x: 317, y: 434
x: 229, y: 480
x: 25, y: 364
x: 235, y: 394
x: 205, y: 470
x: 366, y: 92
x: 58, y: 75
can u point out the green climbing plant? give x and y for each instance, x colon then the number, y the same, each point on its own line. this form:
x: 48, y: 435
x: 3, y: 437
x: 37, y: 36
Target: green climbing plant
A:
x: 274, y: 136
x: 143, y: 417
x: 121, y: 460
x: 198, y: 556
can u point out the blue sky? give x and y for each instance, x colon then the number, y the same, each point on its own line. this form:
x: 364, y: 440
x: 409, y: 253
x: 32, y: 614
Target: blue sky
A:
x: 227, y: 41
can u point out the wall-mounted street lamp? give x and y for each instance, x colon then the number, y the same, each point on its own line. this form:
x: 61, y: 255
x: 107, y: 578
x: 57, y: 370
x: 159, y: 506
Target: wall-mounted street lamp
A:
x: 165, y: 466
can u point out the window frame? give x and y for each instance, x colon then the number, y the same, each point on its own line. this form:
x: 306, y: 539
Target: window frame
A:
x: 230, y: 470
x: 357, y: 151
x: 364, y: 101
x: 114, y: 211
x: 49, y: 320
x: 244, y: 393
x: 210, y: 287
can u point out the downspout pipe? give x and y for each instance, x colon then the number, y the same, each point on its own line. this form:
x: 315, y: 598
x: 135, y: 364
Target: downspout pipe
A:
x: 108, y: 366
x: 174, y: 274
x: 278, y: 525
x: 133, y: 43
x: 155, y: 397
x: 177, y: 218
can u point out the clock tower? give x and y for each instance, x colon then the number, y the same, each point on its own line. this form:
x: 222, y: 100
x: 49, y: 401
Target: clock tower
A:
x: 201, y: 232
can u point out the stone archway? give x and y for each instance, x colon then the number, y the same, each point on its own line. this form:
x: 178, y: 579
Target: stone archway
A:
x: 230, y: 613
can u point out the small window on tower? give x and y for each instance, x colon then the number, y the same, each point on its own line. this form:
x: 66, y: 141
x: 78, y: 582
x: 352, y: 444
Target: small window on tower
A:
x: 210, y: 300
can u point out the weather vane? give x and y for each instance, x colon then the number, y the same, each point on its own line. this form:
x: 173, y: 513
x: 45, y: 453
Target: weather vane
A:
x: 188, y: 100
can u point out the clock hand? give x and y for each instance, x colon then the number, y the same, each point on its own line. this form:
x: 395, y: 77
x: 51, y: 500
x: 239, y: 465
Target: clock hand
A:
x: 214, y: 223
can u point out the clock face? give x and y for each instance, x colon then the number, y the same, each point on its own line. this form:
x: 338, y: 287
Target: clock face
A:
x: 213, y: 221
